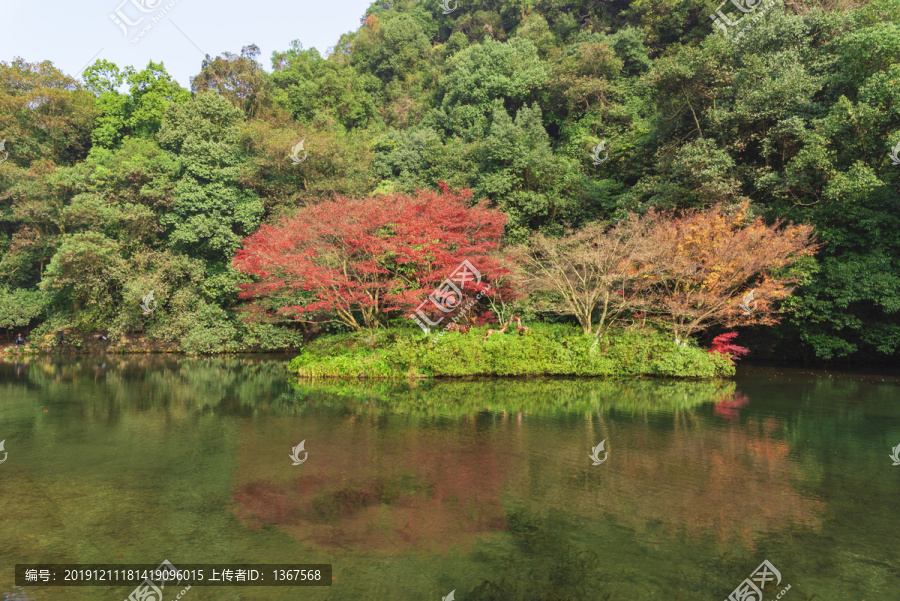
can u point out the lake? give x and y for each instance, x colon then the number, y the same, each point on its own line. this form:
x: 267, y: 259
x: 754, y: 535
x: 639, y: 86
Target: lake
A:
x: 485, y: 488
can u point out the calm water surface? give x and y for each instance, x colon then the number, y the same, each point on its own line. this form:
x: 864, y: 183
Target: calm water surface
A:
x: 482, y: 487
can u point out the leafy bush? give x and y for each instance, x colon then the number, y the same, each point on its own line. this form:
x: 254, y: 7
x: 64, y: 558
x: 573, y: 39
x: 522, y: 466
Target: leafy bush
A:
x: 547, y: 349
x: 19, y: 307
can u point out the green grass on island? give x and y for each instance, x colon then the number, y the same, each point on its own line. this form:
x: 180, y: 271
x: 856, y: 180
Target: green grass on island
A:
x: 546, y: 350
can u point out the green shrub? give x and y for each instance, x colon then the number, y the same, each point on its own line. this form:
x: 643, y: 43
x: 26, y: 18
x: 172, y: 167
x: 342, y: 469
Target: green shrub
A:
x: 270, y: 337
x: 547, y: 349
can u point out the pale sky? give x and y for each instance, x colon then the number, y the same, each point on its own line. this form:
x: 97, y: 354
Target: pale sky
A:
x: 74, y: 33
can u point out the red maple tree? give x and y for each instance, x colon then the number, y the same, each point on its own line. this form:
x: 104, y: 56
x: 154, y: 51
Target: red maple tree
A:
x: 362, y: 261
x: 723, y: 344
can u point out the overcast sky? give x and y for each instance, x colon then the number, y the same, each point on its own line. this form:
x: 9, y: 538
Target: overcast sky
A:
x: 74, y: 33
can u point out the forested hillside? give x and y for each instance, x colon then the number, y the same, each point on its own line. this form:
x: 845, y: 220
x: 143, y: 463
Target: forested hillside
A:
x: 123, y: 182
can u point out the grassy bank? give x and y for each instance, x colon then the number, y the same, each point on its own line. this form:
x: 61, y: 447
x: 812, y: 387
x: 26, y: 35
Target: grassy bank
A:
x: 546, y: 350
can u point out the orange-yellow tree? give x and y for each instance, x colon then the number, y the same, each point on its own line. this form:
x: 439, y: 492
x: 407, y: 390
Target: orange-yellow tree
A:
x: 705, y: 262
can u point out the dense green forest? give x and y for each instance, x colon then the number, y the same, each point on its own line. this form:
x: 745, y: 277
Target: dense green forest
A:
x: 122, y: 181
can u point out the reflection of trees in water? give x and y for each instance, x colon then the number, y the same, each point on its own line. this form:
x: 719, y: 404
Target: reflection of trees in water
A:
x: 252, y: 385
x: 390, y: 489
x: 536, y: 397
x: 728, y: 405
x: 423, y: 467
x: 110, y: 385
x: 673, y: 475
x: 543, y: 564
x: 735, y: 484
x: 427, y: 511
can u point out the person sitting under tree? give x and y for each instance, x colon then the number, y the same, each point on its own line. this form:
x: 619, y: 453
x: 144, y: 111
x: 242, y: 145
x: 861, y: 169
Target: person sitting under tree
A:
x: 20, y: 341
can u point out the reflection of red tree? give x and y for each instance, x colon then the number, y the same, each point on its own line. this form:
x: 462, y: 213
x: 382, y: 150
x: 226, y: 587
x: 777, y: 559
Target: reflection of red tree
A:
x: 375, y: 489
x: 727, y: 406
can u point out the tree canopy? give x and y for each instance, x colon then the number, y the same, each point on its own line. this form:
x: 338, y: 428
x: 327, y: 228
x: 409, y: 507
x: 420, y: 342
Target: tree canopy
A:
x: 125, y: 181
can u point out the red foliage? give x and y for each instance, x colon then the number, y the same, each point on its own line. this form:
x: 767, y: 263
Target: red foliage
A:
x: 722, y: 344
x: 727, y: 407
x: 359, y: 261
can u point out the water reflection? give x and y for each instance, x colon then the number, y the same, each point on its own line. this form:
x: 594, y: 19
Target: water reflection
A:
x: 366, y: 487
x: 415, y: 489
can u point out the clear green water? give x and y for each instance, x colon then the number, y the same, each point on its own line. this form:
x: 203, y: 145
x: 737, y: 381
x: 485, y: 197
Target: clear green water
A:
x: 484, y: 487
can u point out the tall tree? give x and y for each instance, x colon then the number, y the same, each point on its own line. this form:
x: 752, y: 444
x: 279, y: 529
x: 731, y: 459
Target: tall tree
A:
x: 212, y: 210
x: 361, y: 261
x: 596, y: 271
x: 240, y: 79
x: 705, y: 263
